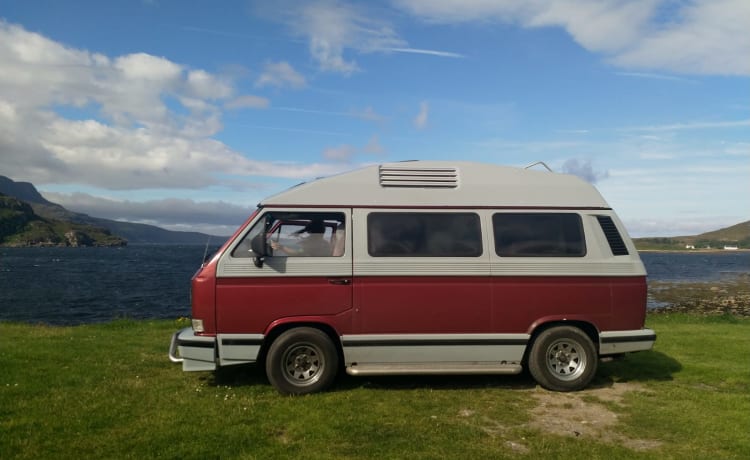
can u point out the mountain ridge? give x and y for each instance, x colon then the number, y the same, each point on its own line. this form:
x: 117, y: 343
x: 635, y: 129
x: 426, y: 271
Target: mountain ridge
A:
x: 20, y: 226
x: 134, y: 233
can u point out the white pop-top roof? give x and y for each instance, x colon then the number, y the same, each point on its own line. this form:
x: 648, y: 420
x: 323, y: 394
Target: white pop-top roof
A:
x: 442, y: 184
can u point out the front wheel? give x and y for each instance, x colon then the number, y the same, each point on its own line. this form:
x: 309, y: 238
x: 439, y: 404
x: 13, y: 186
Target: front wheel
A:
x: 563, y: 359
x: 302, y: 360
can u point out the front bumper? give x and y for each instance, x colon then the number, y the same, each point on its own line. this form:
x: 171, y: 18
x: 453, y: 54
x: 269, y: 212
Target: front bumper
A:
x: 616, y: 342
x: 196, y: 353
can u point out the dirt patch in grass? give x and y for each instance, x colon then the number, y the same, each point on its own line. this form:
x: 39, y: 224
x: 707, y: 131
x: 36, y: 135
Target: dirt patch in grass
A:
x: 586, y: 415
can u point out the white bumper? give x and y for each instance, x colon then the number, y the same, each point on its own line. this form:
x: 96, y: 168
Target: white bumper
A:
x: 616, y: 342
x: 196, y: 353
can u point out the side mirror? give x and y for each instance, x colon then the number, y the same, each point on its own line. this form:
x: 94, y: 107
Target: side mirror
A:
x: 260, y: 249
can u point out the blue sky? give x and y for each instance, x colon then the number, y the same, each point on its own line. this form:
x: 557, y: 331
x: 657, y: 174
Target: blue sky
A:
x: 185, y: 114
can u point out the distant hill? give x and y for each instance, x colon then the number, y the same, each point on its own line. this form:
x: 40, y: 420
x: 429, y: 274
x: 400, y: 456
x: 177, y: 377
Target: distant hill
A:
x: 736, y: 235
x: 21, y: 226
x: 132, y: 232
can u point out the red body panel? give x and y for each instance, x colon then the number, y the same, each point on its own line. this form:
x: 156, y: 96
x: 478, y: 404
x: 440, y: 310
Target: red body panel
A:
x: 422, y: 305
x: 520, y: 303
x: 249, y: 305
x: 629, y: 299
x: 203, y: 286
x: 203, y: 298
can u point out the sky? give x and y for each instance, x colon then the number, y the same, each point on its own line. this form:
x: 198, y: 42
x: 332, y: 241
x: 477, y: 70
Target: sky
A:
x: 186, y: 114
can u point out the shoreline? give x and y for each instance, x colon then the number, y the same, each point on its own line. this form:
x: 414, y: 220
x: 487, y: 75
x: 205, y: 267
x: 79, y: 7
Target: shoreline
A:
x: 695, y: 251
x: 706, y: 298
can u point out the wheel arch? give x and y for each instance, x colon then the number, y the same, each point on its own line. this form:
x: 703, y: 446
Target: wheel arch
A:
x: 275, y: 330
x: 587, y: 327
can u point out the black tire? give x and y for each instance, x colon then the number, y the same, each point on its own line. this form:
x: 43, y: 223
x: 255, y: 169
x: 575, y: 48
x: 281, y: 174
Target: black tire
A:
x: 302, y: 360
x: 563, y: 358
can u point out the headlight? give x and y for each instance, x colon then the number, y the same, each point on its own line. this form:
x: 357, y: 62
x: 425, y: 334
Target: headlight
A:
x: 197, y: 325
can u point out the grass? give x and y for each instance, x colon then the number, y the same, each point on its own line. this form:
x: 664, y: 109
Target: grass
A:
x: 108, y: 391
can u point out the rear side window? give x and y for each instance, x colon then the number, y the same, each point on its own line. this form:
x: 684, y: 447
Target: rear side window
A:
x: 400, y: 234
x: 538, y: 235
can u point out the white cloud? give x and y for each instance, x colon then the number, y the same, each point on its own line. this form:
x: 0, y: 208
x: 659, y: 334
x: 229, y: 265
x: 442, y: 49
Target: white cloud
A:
x: 705, y: 37
x: 373, y: 146
x: 654, y: 76
x: 583, y: 169
x: 698, y: 37
x: 280, y: 74
x: 169, y: 211
x: 141, y: 66
x: 447, y: 54
x: 332, y: 27
x: 420, y: 121
x: 691, y: 126
x: 248, y: 102
x: 206, y: 86
x: 368, y: 114
x: 342, y: 153
x: 147, y: 121
x: 210, y: 217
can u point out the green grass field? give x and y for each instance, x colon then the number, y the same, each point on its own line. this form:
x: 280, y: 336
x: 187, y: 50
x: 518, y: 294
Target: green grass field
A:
x: 108, y: 391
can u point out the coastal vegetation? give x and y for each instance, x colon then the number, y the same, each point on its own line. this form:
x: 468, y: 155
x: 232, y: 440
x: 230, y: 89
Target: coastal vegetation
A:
x: 21, y: 226
x: 134, y: 233
x: 736, y: 236
x: 108, y: 391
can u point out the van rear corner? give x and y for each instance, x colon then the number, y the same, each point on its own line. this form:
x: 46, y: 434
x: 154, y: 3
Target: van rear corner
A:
x: 619, y: 342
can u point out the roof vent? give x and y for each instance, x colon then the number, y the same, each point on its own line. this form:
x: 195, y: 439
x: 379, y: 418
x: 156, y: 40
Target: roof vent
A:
x: 410, y: 176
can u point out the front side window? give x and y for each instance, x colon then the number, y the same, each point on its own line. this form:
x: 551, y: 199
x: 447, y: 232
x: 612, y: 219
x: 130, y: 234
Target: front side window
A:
x: 402, y: 234
x: 538, y: 235
x: 297, y: 234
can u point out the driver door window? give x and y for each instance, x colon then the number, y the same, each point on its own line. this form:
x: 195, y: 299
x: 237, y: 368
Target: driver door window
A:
x: 297, y: 234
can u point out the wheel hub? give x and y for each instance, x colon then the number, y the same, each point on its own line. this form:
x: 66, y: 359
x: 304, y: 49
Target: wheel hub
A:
x: 302, y: 363
x: 563, y: 357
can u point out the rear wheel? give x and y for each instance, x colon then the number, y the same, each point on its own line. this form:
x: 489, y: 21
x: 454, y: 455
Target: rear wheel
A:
x: 302, y: 360
x: 563, y: 358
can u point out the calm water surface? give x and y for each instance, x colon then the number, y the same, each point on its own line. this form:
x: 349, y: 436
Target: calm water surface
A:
x: 84, y: 285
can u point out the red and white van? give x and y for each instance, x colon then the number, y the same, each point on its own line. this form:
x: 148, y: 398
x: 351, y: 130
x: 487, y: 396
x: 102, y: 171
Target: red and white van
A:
x: 422, y: 268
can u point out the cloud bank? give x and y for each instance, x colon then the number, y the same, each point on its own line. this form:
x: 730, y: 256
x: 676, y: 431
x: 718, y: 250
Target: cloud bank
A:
x: 707, y: 37
x: 126, y: 122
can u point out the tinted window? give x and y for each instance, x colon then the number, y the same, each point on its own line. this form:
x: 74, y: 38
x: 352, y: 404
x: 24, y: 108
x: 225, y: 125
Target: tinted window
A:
x: 538, y: 235
x: 399, y: 234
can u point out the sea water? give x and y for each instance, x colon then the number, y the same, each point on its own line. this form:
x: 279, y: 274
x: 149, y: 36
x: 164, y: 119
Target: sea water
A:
x: 84, y: 285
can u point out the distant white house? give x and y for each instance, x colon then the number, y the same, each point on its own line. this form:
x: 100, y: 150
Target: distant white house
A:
x: 731, y: 248
x: 689, y: 246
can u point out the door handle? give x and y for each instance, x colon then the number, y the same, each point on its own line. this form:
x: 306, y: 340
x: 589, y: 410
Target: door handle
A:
x: 340, y: 281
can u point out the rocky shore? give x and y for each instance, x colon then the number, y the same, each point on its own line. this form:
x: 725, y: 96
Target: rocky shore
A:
x: 729, y: 296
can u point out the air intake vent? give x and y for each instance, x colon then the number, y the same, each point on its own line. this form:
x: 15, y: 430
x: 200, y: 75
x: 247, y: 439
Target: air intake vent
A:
x: 406, y: 176
x: 616, y: 244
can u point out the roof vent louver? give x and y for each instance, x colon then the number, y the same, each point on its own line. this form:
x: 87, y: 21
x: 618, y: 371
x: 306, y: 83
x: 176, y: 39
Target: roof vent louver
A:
x: 406, y: 176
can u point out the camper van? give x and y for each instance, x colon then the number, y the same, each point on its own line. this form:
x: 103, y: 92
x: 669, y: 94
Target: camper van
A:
x: 418, y: 268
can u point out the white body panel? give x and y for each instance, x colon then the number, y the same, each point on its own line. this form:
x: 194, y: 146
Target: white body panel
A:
x: 477, y: 185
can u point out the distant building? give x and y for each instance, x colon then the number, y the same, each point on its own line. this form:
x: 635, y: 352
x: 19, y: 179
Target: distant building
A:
x: 731, y: 248
x: 689, y: 246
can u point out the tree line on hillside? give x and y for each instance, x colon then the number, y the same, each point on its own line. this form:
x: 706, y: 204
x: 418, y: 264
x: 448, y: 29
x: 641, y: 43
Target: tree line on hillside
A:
x: 672, y: 244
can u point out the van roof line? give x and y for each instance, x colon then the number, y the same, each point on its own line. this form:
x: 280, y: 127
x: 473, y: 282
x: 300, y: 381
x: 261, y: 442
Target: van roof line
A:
x: 443, y: 183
